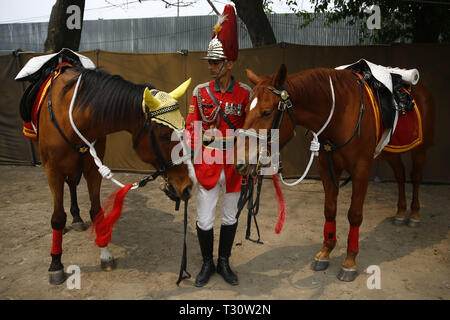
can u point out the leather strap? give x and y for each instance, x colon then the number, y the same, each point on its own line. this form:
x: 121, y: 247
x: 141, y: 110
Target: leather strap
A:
x: 222, y: 113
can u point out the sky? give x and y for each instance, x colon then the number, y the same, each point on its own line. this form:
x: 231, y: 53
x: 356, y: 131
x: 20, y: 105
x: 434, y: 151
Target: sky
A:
x: 24, y: 11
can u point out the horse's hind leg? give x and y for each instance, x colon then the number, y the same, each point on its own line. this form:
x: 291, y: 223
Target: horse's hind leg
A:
x: 395, y: 162
x: 58, y: 222
x: 321, y: 260
x: 77, y: 223
x: 418, y: 160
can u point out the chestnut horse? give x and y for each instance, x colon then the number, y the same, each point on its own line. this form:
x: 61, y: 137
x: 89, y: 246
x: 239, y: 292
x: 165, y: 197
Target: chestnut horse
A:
x: 104, y: 104
x: 311, y: 97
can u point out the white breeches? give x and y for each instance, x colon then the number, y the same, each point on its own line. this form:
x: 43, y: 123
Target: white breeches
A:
x: 207, y: 202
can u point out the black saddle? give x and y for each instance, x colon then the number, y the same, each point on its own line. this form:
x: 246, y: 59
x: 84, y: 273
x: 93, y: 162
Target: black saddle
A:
x: 39, y: 77
x: 386, y: 99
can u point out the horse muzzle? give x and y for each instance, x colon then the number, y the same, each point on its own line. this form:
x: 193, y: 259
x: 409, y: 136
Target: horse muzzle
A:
x: 172, y: 193
x: 245, y: 169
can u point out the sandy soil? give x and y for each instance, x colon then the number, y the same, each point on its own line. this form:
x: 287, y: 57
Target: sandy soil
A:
x: 147, y: 243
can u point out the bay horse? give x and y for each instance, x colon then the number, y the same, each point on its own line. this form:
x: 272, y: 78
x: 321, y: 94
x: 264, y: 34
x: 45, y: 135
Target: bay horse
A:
x: 104, y: 104
x: 311, y: 97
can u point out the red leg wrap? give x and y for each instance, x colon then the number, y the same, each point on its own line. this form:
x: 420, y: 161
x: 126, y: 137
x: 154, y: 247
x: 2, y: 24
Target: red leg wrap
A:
x: 57, y: 241
x: 353, y: 238
x: 329, y: 231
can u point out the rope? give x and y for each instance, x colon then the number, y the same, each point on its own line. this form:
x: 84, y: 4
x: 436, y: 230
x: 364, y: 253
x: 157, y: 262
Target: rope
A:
x: 102, y: 169
x: 315, y: 144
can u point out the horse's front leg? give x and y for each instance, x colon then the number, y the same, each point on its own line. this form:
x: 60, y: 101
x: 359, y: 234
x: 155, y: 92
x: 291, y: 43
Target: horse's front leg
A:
x: 321, y: 260
x: 94, y: 181
x: 58, y: 222
x: 360, y: 182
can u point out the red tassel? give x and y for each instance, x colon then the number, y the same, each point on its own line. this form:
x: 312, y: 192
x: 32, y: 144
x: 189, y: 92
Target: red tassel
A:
x: 281, y: 205
x: 104, y: 223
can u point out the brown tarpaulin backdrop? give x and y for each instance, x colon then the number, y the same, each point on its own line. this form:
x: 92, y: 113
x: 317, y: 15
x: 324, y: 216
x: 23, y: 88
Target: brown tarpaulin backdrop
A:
x: 167, y: 70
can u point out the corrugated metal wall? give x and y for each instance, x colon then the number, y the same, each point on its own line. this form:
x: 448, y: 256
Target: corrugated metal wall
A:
x: 175, y: 33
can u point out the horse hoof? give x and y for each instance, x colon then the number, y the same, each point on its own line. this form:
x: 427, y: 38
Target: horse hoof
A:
x: 108, y: 265
x: 399, y: 222
x: 56, y: 277
x: 413, y: 223
x: 79, y: 226
x: 320, y: 265
x: 347, y: 275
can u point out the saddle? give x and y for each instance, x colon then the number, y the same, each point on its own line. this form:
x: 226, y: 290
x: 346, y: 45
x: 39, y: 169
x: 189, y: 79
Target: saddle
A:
x: 37, y: 71
x: 388, y: 85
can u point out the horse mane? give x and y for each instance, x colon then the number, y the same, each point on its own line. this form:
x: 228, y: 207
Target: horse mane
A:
x: 315, y: 82
x: 109, y: 98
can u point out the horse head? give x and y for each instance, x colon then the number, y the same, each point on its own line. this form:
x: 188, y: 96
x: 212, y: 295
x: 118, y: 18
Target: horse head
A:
x: 264, y: 118
x: 165, y: 137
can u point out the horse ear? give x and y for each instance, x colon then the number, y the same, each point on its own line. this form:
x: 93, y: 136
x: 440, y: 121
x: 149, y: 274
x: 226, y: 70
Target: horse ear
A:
x: 280, y: 77
x: 150, y: 101
x: 178, y: 92
x: 252, y: 76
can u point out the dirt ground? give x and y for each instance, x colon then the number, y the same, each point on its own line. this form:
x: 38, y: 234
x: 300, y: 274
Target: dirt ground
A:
x: 147, y: 243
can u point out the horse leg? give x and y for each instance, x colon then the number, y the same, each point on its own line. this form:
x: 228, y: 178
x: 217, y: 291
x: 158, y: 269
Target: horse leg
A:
x: 395, y: 162
x: 77, y: 223
x: 418, y: 160
x: 321, y: 260
x: 360, y: 182
x: 94, y: 180
x: 58, y: 222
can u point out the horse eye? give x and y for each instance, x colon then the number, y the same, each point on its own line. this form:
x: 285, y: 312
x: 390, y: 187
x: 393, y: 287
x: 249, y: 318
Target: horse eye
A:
x: 267, y: 113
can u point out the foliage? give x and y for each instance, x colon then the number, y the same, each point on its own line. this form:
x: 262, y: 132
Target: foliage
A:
x: 401, y: 21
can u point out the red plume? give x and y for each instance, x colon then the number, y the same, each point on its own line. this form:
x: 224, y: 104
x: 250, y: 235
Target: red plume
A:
x: 281, y: 205
x: 226, y: 31
x: 104, y: 223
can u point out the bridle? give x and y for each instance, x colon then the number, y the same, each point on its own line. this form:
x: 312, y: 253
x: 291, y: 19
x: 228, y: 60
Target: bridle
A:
x: 284, y: 105
x: 248, y: 189
x: 163, y: 165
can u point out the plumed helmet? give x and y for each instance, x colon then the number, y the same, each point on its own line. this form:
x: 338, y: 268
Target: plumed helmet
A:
x: 224, y: 41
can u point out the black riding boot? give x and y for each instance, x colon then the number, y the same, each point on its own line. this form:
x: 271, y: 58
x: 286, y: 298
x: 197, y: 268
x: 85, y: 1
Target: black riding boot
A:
x: 206, y: 240
x: 227, y: 234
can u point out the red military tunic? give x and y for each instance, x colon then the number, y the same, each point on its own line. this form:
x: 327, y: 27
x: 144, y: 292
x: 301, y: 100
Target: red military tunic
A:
x: 233, y: 103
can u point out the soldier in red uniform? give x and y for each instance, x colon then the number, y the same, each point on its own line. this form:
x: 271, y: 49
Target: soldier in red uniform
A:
x: 217, y: 109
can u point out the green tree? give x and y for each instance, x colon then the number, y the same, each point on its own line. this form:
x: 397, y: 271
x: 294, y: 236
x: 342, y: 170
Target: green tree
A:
x: 418, y: 21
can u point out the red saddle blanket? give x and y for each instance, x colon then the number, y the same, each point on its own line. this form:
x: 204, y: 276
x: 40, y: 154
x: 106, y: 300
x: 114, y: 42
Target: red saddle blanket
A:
x: 30, y: 129
x: 408, y: 133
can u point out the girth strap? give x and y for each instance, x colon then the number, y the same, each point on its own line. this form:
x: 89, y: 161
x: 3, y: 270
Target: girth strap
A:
x: 329, y: 147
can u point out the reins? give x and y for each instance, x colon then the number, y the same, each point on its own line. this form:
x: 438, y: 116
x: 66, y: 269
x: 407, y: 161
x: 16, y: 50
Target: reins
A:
x: 163, y: 164
x: 315, y: 146
x: 248, y: 182
x: 183, y: 265
x: 104, y: 224
x: 247, y: 197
